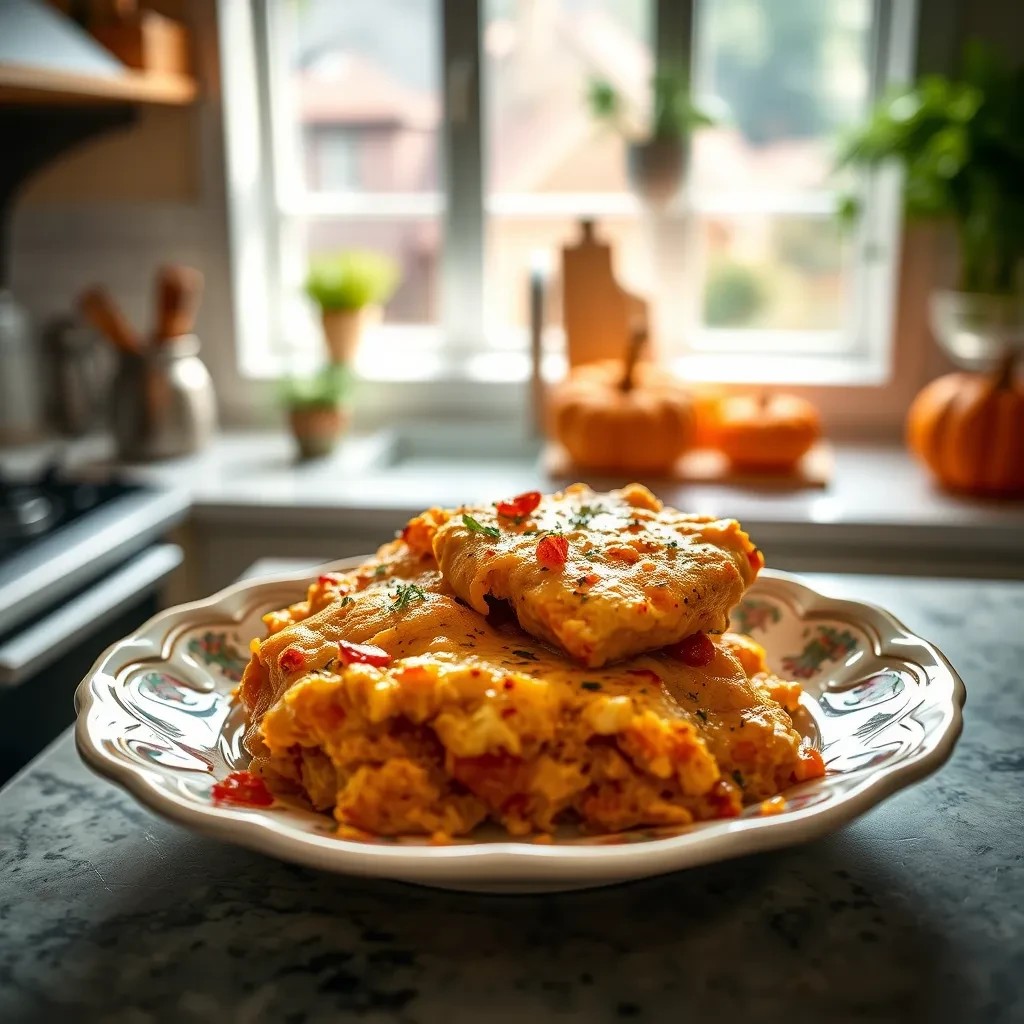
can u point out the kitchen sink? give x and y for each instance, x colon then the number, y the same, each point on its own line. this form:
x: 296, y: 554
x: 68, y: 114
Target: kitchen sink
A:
x: 440, y: 445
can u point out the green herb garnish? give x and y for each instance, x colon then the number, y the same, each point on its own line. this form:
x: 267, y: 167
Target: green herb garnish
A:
x: 405, y: 595
x: 528, y: 655
x: 702, y: 714
x: 381, y: 570
x: 346, y: 601
x: 475, y: 527
x: 581, y: 519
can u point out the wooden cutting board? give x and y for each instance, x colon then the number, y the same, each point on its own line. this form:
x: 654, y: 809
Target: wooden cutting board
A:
x: 705, y: 466
x: 598, y: 314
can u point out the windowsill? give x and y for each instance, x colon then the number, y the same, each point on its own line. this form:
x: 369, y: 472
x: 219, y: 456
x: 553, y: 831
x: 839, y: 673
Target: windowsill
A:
x: 415, y: 355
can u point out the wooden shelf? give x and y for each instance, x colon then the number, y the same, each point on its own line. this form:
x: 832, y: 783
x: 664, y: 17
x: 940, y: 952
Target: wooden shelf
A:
x: 23, y: 84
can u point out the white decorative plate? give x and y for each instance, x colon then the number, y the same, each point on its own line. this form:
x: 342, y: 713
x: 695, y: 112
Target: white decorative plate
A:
x: 155, y: 716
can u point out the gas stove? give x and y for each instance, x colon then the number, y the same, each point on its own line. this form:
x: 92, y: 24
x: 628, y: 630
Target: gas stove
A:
x: 82, y: 562
x: 35, y: 508
x: 60, y: 532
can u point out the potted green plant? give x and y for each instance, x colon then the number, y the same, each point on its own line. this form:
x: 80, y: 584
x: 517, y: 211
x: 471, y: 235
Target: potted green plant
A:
x: 658, y: 150
x: 317, y: 412
x: 960, y: 142
x: 350, y: 288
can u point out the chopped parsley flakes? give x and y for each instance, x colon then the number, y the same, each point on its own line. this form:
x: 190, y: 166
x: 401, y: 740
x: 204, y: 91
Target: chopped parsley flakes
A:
x: 474, y: 526
x: 405, y: 595
x: 528, y: 655
x: 580, y: 519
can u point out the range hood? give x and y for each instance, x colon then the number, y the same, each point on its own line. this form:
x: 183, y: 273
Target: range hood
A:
x: 33, y: 34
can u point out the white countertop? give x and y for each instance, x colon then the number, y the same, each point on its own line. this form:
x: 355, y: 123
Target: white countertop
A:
x: 879, y: 498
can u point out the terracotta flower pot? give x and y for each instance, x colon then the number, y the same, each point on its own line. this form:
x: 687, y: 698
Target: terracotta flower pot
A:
x: 657, y: 169
x: 343, y: 329
x: 317, y: 428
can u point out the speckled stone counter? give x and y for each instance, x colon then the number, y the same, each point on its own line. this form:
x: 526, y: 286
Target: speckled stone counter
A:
x: 914, y: 912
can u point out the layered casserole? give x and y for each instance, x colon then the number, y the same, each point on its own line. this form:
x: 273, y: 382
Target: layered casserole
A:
x: 542, y: 662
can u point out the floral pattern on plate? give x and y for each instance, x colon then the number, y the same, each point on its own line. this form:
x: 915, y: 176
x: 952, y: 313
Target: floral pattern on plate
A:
x: 824, y: 644
x: 221, y: 650
x: 752, y: 615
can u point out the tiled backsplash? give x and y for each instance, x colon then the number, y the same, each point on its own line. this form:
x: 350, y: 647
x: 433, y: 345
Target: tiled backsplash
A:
x: 61, y: 249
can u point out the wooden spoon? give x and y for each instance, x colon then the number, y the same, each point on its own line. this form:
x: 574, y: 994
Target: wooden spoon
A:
x: 178, y: 291
x: 99, y: 309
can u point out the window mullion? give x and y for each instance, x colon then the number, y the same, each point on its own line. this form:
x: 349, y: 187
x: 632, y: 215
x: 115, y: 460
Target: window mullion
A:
x: 672, y: 232
x: 673, y: 34
x: 462, y: 267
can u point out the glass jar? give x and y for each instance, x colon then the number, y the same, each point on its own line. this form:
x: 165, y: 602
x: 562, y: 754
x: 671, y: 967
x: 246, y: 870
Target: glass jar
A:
x: 978, y: 332
x: 163, y: 402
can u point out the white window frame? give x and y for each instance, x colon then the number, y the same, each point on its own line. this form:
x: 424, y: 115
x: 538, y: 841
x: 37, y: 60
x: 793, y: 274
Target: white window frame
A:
x: 263, y: 196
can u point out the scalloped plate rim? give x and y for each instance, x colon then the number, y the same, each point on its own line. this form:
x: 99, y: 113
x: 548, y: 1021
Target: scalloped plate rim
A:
x: 508, y: 866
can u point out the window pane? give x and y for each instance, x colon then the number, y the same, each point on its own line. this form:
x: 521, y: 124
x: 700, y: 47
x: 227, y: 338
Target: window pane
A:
x: 539, y: 57
x: 362, y: 93
x: 413, y: 244
x: 543, y: 142
x: 782, y: 77
x: 772, y: 272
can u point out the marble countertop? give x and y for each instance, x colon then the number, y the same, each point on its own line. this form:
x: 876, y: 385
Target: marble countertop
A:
x: 913, y: 912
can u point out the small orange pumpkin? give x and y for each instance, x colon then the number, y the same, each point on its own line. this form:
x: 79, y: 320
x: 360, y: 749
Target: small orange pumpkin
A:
x: 619, y: 416
x: 765, y: 432
x: 968, y: 428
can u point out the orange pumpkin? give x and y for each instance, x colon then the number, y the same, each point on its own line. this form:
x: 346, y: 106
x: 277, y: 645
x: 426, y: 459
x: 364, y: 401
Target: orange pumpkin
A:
x: 706, y: 400
x: 622, y: 417
x: 968, y: 428
x: 765, y: 432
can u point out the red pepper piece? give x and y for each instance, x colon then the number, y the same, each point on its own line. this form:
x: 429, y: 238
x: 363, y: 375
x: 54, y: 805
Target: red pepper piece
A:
x: 724, y: 799
x: 362, y: 654
x: 242, y: 788
x: 696, y: 650
x: 756, y: 559
x: 520, y: 506
x: 292, y: 659
x: 553, y: 552
x: 328, y: 579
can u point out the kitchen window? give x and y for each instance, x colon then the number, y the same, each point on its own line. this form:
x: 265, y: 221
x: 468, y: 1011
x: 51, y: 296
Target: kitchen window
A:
x: 454, y: 136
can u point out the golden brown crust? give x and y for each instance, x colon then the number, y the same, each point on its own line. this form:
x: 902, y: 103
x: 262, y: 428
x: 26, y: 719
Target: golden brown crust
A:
x: 636, y: 576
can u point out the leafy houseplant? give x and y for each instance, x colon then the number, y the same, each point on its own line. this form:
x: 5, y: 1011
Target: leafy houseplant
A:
x: 316, y: 409
x: 658, y: 150
x: 349, y: 288
x: 960, y: 143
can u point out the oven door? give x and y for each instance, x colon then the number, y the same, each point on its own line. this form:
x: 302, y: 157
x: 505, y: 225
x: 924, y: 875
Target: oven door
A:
x: 42, y: 662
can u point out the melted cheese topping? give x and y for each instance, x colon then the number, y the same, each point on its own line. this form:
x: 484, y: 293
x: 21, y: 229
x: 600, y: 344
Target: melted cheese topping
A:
x: 473, y: 718
x: 636, y: 576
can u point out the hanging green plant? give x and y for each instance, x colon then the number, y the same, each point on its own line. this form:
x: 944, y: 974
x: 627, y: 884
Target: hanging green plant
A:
x: 673, y: 115
x: 960, y: 143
